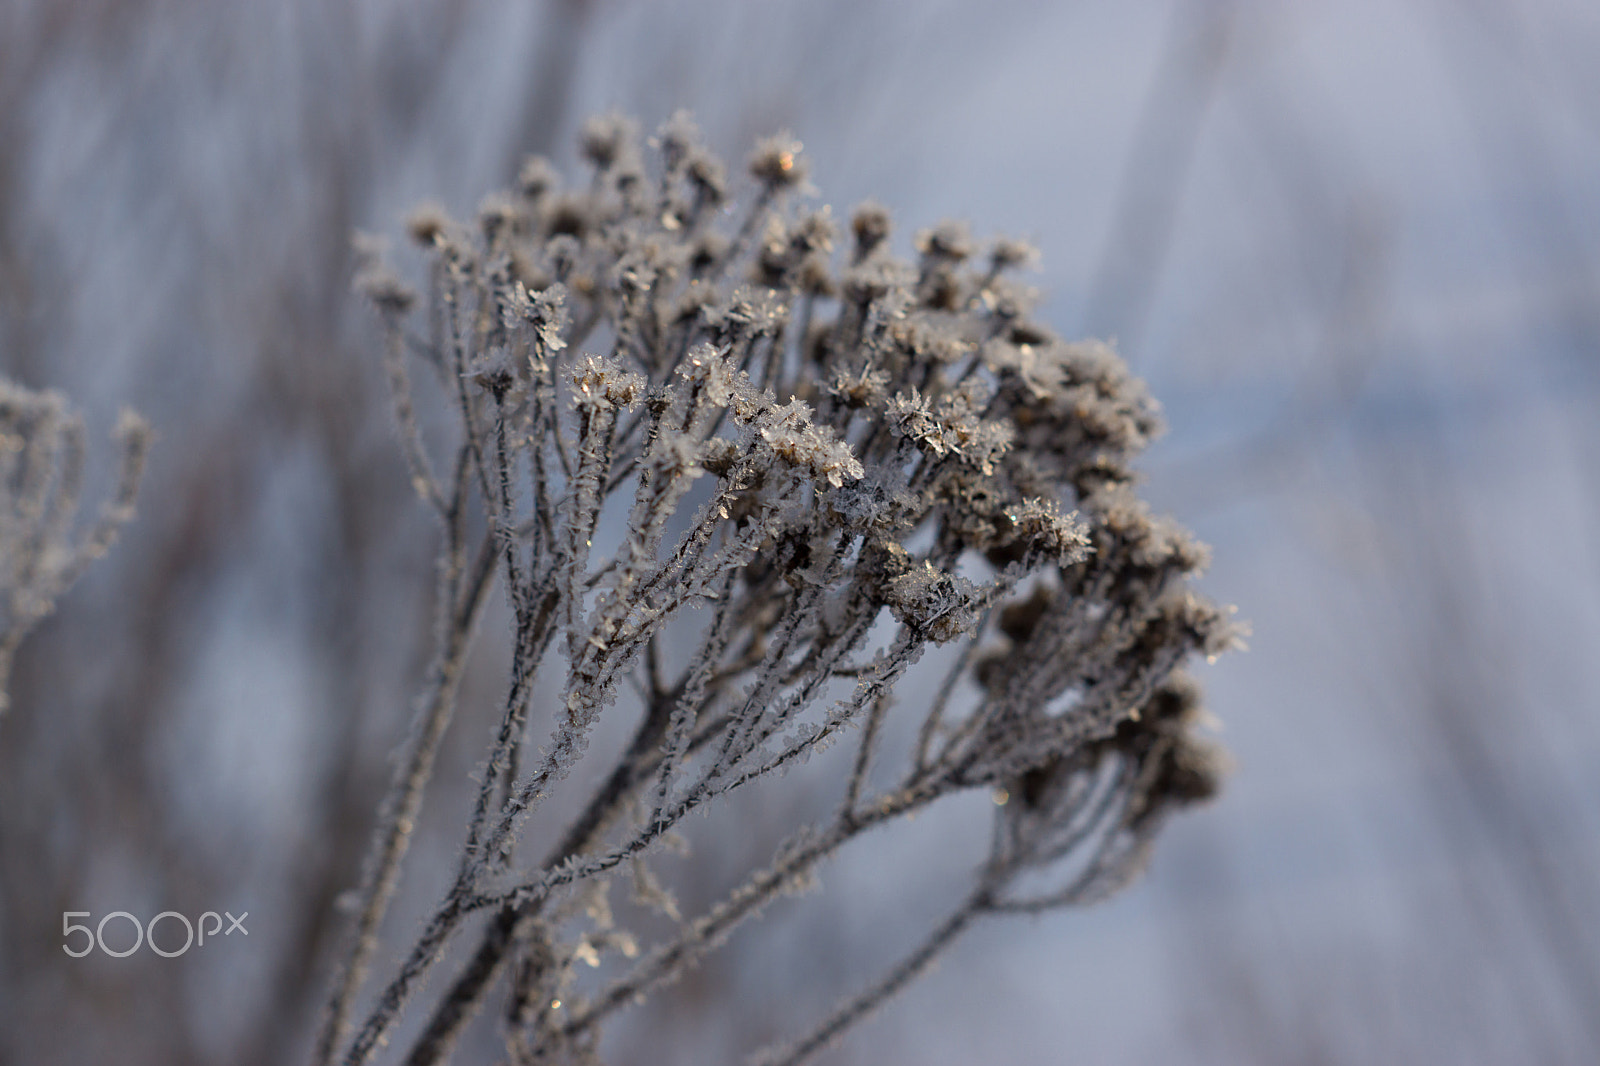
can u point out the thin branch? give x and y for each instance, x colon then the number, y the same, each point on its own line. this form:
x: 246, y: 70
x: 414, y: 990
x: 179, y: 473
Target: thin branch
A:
x: 401, y: 807
x: 867, y: 1001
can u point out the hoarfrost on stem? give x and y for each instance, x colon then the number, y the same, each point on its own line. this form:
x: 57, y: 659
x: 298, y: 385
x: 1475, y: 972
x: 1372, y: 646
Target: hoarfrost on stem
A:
x: 835, y: 462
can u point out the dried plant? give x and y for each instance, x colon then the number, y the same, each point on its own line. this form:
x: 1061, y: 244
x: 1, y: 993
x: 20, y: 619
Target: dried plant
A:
x: 41, y: 486
x: 827, y: 469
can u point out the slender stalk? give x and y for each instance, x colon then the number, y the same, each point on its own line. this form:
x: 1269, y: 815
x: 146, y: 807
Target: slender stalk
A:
x: 867, y: 1001
x: 404, y: 801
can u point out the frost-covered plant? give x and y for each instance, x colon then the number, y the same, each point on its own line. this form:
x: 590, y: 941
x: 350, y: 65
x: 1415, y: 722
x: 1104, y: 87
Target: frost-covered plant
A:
x: 41, y: 485
x: 830, y: 464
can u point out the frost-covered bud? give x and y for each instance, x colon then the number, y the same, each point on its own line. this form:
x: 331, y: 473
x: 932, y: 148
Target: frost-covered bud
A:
x: 675, y: 455
x: 385, y: 289
x: 1042, y: 527
x: 777, y: 162
x: 948, y: 241
x: 948, y: 426
x: 1008, y: 254
x: 773, y: 258
x: 929, y: 341
x: 1180, y: 767
x: 718, y: 455
x: 790, y: 433
x: 708, y: 176
x: 815, y: 233
x: 939, y: 605
x: 1192, y: 772
x: 831, y: 460
x: 427, y: 223
x: 1007, y: 299
x: 545, y: 310
x: 537, y: 178
x: 567, y: 213
x: 866, y: 387
x: 493, y: 372
x: 598, y: 382
x: 1038, y: 368
x: 870, y: 225
x: 814, y: 277
x: 1206, y: 627
x: 499, y: 216
x: 722, y: 383
x: 747, y: 312
x: 1147, y: 540
x: 707, y: 251
x: 676, y: 138
x: 609, y: 139
x: 873, y: 280
x: 562, y: 253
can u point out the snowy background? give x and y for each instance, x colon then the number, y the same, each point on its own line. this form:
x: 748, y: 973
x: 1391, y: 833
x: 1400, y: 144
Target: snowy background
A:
x: 1354, y: 247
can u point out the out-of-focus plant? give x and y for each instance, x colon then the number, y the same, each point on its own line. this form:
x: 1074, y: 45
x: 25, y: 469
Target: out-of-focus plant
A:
x: 41, y: 487
x: 828, y: 467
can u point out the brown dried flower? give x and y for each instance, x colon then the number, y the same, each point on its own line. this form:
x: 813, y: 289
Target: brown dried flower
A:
x: 827, y: 469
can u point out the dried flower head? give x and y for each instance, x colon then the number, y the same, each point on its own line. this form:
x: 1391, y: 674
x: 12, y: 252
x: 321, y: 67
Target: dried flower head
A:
x: 608, y: 140
x: 828, y: 468
x: 777, y: 162
x: 427, y: 223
